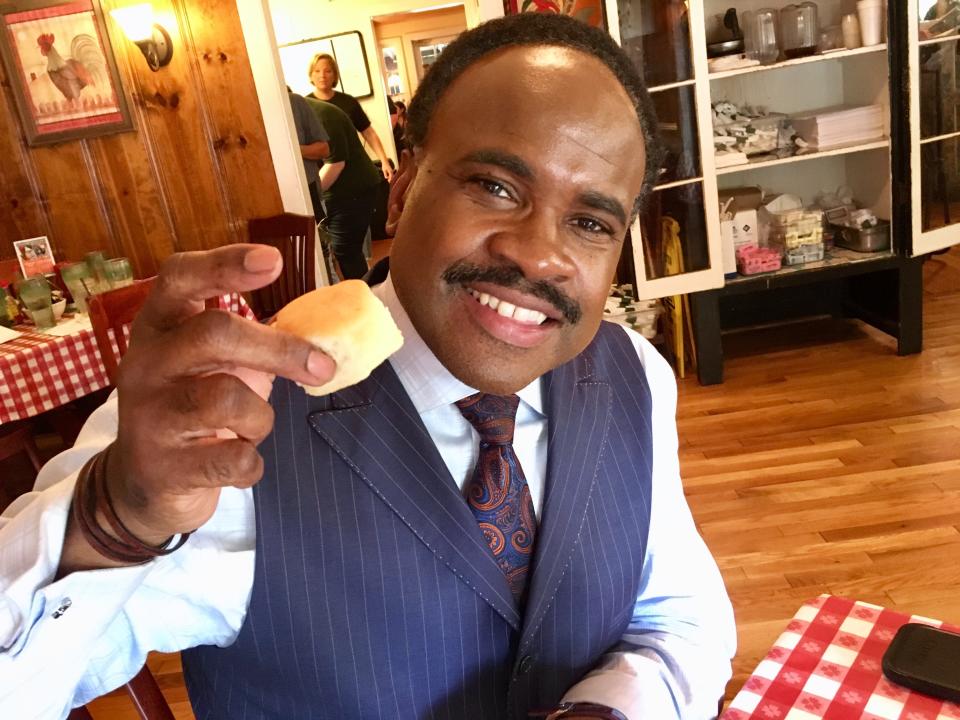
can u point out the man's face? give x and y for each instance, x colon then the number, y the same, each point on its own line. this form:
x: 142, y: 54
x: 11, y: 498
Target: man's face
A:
x: 518, y: 210
x: 323, y: 75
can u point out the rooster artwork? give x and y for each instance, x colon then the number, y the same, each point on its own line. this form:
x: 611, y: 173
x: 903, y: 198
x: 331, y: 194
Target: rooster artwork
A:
x: 84, y: 67
x: 61, y: 70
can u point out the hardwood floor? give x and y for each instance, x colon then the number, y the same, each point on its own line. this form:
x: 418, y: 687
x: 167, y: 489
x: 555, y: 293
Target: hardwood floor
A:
x: 824, y: 464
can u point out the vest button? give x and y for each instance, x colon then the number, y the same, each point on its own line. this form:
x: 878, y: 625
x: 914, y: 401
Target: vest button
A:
x: 525, y: 665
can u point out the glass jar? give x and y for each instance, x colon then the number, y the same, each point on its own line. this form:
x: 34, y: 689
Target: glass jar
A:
x: 800, y: 29
x: 760, y: 35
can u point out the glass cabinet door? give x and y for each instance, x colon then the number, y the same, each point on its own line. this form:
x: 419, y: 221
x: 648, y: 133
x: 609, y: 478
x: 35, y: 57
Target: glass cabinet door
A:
x: 934, y: 27
x: 671, y: 241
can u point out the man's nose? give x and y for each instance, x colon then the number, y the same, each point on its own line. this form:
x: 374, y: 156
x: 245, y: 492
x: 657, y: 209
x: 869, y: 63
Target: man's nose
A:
x: 535, y: 243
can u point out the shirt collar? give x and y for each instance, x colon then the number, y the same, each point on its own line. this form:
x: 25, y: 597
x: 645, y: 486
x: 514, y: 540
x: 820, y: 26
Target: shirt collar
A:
x: 428, y: 383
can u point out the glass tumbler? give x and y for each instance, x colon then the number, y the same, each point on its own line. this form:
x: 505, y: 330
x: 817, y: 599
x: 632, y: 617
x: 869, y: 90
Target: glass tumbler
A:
x: 76, y: 276
x: 34, y: 293
x: 96, y: 282
x: 118, y: 272
x: 761, y: 36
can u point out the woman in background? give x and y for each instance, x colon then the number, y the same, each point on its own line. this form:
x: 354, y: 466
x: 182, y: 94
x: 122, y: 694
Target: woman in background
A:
x: 324, y: 76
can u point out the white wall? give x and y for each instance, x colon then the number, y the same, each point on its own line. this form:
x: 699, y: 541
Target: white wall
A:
x: 295, y: 20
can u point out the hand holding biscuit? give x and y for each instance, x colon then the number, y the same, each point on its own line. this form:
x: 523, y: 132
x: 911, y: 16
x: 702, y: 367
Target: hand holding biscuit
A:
x: 180, y: 381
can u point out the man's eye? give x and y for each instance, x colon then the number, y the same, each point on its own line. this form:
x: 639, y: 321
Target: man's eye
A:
x: 591, y: 225
x: 493, y: 187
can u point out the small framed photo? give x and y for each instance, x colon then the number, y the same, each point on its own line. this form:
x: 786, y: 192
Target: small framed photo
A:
x: 61, y: 69
x: 35, y: 256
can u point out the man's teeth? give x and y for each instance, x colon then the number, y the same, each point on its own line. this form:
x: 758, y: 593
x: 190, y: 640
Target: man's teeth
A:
x: 520, y: 314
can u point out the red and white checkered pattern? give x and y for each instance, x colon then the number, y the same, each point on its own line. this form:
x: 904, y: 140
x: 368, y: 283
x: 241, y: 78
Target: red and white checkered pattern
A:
x: 826, y: 666
x: 40, y: 372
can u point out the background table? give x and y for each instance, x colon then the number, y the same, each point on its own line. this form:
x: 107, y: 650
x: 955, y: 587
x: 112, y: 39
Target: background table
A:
x: 40, y: 372
x: 826, y: 666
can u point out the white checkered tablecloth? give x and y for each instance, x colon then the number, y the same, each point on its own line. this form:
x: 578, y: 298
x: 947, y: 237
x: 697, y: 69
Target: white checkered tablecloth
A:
x: 40, y: 372
x: 826, y: 666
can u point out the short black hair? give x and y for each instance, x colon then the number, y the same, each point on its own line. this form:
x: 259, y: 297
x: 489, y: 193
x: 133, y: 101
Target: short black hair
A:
x: 534, y: 28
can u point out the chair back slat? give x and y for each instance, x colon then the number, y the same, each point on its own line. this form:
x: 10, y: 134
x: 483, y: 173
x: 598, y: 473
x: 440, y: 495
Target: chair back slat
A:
x: 110, y: 312
x: 295, y: 237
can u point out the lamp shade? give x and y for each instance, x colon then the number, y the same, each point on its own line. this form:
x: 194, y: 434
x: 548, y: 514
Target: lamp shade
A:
x: 136, y: 21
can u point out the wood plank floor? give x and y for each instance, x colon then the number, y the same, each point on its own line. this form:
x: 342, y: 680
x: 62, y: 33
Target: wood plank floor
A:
x: 824, y: 464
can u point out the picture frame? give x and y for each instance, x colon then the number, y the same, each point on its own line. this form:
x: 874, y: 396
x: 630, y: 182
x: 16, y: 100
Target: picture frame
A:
x: 592, y: 12
x: 35, y: 256
x: 60, y: 65
x: 347, y: 49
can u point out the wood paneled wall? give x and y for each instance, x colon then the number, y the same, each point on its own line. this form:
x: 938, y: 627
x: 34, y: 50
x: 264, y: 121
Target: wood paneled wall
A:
x: 195, y: 169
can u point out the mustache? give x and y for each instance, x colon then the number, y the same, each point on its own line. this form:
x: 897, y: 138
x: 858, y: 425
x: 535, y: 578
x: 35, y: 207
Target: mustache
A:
x: 510, y: 276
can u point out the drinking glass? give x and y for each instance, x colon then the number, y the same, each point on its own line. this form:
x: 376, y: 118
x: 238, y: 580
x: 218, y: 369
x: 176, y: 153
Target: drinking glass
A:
x: 761, y: 35
x: 76, y: 277
x: 34, y: 293
x: 118, y: 272
x: 95, y: 262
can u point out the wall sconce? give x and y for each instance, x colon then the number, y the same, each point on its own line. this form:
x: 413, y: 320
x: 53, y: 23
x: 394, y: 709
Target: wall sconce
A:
x: 137, y: 24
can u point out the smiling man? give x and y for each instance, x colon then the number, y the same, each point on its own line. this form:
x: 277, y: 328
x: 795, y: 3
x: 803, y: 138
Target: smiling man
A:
x: 491, y: 527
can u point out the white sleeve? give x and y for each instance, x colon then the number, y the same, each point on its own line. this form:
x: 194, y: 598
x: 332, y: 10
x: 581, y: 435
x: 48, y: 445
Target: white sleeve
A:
x: 674, y: 660
x: 65, y: 642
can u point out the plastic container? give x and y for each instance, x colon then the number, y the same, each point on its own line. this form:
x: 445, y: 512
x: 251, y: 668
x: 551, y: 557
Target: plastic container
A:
x: 794, y: 228
x: 798, y: 234
x: 752, y: 260
x: 799, y: 29
x: 870, y: 14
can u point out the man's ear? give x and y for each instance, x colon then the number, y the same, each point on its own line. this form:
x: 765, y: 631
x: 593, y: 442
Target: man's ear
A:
x: 398, y: 190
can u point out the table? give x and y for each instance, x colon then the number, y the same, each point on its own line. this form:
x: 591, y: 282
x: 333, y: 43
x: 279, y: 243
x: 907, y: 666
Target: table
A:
x: 40, y: 372
x: 826, y: 666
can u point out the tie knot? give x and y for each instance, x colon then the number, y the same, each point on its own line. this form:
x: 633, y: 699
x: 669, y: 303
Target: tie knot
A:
x: 493, y: 416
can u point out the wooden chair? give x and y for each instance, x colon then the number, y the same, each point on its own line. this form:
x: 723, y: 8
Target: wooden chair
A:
x: 18, y: 438
x: 295, y: 237
x: 8, y: 271
x: 113, y: 310
x: 147, y: 699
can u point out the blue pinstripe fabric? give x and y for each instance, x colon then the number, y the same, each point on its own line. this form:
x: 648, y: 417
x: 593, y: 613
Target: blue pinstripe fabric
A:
x: 375, y: 596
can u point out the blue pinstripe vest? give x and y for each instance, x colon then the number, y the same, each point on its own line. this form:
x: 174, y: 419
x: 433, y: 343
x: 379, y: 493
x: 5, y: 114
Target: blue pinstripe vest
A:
x: 375, y: 595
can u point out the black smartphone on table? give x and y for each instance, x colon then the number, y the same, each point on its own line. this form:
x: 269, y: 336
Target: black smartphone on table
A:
x: 925, y: 659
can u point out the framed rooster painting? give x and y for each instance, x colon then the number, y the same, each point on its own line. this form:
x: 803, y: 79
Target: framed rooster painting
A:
x: 58, y: 61
x: 592, y: 12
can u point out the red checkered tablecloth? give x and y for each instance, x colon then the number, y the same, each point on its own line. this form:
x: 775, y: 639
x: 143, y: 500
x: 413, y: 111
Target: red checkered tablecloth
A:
x: 826, y: 666
x: 40, y: 372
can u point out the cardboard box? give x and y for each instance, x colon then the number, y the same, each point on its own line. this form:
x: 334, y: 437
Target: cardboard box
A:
x: 738, y: 223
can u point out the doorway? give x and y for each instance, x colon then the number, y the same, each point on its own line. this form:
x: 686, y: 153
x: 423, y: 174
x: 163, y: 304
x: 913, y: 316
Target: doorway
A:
x: 409, y: 42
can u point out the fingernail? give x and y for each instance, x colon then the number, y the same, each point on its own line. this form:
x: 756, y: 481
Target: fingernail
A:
x: 261, y: 259
x: 320, y: 365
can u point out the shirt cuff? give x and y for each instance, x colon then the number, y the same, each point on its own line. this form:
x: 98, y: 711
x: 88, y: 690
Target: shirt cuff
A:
x: 629, y: 682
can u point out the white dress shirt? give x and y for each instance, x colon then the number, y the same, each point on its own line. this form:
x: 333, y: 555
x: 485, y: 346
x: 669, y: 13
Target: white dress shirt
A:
x: 65, y: 642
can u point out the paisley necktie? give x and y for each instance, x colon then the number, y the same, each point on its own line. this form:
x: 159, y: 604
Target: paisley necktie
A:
x: 497, y: 492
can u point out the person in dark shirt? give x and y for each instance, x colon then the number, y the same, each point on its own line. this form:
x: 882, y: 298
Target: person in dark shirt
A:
x: 348, y: 185
x: 324, y: 75
x: 314, y: 147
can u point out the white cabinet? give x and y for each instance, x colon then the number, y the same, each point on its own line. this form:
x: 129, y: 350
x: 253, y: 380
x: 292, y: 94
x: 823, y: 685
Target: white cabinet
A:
x: 668, y: 40
x: 934, y: 96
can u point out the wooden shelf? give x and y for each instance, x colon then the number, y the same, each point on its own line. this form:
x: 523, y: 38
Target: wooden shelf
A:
x: 835, y: 55
x: 838, y: 150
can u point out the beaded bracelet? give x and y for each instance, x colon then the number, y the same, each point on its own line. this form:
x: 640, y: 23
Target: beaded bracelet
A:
x: 92, y: 496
